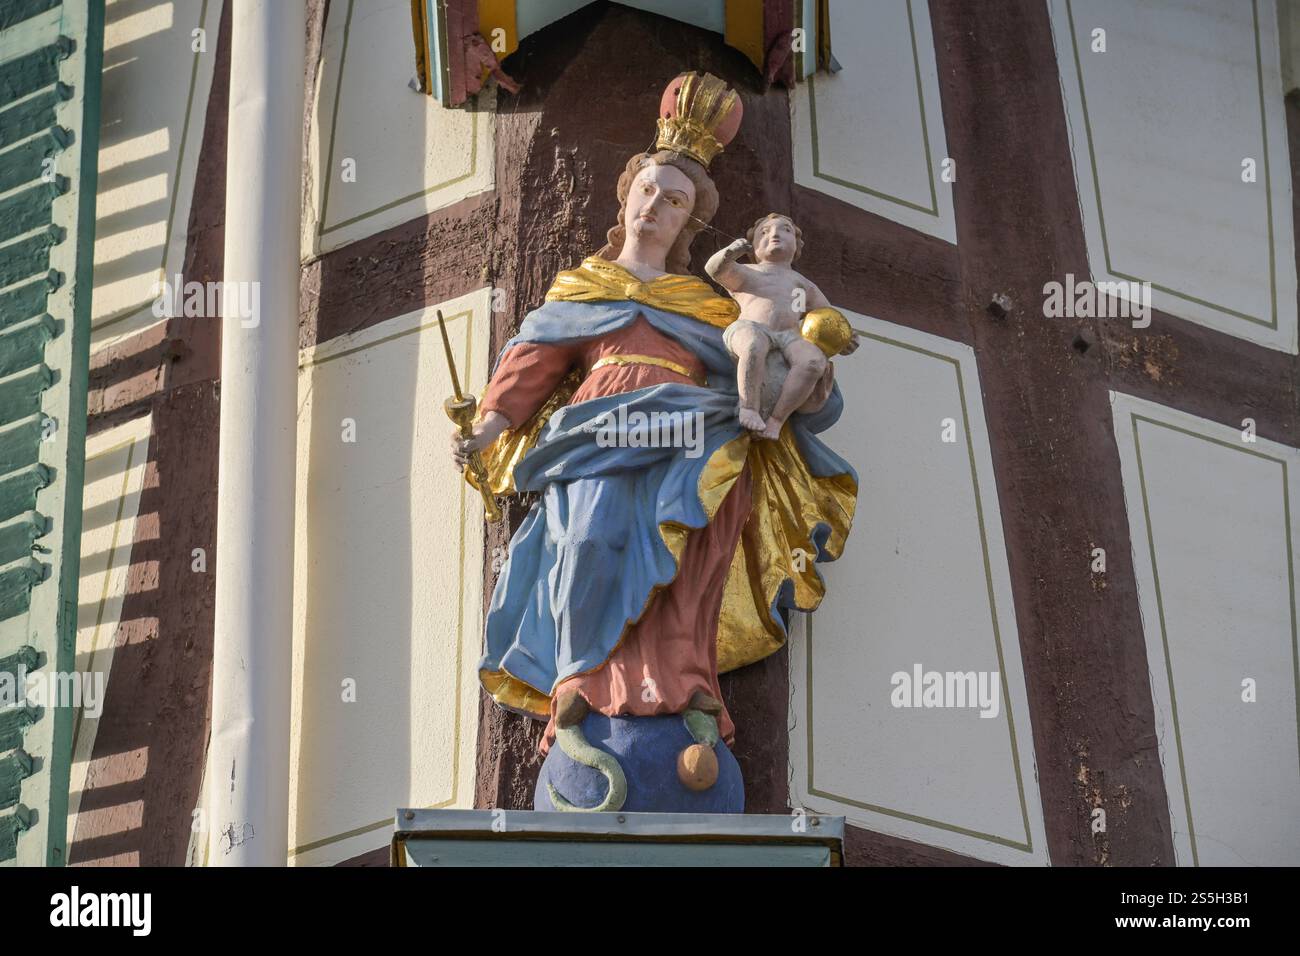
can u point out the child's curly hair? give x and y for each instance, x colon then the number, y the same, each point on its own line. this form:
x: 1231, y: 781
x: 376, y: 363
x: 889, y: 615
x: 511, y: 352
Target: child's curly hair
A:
x: 798, y: 233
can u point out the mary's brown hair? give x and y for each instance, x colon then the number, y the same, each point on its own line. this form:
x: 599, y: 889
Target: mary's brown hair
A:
x: 706, y: 204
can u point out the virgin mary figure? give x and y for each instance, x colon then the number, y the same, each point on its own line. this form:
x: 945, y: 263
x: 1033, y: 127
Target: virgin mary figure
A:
x: 666, y: 539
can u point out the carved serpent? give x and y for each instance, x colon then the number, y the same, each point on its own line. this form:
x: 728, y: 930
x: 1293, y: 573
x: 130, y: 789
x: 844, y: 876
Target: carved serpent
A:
x: 569, y: 712
x: 700, y: 718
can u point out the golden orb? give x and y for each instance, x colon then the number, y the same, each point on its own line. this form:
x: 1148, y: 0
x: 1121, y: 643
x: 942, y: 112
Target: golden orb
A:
x: 827, y: 329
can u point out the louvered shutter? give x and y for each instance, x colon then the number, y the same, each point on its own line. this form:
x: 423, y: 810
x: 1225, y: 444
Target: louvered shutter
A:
x: 51, y: 56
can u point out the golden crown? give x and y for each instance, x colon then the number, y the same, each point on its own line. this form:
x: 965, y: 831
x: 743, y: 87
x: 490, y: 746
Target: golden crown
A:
x: 699, y: 115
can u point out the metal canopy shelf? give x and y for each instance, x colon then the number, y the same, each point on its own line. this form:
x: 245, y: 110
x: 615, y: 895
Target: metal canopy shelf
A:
x: 530, y: 838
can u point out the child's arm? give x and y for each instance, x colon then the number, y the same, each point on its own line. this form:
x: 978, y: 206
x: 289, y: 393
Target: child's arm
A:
x: 723, y: 267
x: 816, y: 300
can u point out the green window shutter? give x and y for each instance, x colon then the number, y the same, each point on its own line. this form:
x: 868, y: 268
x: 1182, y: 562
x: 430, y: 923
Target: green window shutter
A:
x: 51, y: 57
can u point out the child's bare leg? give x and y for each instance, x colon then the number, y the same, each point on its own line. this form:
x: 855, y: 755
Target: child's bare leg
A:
x: 750, y: 347
x: 807, y: 365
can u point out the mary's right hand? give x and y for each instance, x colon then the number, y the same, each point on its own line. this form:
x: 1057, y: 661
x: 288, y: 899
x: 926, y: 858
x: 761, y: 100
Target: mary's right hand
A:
x: 462, y: 448
x: 486, y: 431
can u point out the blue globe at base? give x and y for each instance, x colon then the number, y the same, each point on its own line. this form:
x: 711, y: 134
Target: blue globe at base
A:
x: 647, y: 749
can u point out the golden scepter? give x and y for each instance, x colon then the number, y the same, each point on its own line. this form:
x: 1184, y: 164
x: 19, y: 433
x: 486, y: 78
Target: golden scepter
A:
x: 460, y: 409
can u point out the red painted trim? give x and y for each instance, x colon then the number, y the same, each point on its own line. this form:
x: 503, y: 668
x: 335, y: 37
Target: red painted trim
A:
x: 778, y: 25
x: 461, y: 22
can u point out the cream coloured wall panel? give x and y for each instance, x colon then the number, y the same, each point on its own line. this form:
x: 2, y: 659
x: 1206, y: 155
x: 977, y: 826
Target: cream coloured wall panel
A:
x: 872, y: 135
x: 155, y: 100
x: 1214, y: 529
x: 380, y: 153
x: 923, y: 581
x: 1161, y: 122
x: 387, y: 584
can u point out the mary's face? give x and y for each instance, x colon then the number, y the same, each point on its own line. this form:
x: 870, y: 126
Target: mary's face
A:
x: 658, y: 204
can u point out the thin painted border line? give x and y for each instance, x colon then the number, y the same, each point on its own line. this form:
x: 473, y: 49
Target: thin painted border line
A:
x: 1155, y: 575
x: 1268, y: 180
x: 329, y: 170
x: 1028, y: 845
x: 925, y: 137
x: 185, y: 134
x: 1096, y: 185
x: 334, y: 114
x: 129, y: 445
x: 920, y: 101
x: 1164, y: 638
x: 132, y: 310
x: 899, y: 814
x: 460, y: 613
x: 387, y: 338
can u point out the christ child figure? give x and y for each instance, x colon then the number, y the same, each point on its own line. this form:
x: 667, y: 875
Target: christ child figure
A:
x: 774, y: 300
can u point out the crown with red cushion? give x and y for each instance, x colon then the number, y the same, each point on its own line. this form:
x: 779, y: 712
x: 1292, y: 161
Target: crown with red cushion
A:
x: 698, y: 116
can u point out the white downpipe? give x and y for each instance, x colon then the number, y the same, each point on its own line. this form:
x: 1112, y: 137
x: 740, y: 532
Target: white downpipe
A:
x: 248, y: 759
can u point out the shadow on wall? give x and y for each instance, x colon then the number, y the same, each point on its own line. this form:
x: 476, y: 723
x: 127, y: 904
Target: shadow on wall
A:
x: 158, y: 64
x: 138, y: 785
x: 142, y: 771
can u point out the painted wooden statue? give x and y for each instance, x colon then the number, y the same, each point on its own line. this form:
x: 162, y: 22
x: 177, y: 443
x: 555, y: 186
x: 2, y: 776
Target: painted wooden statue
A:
x: 667, y: 538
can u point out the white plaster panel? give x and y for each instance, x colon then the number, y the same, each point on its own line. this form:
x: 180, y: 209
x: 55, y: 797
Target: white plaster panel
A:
x: 155, y: 101
x: 872, y: 134
x: 1160, y: 123
x: 924, y: 581
x: 1213, y: 535
x: 387, y: 584
x: 115, y: 471
x: 411, y: 155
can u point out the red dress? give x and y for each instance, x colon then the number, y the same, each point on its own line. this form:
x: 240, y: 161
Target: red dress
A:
x: 671, y: 652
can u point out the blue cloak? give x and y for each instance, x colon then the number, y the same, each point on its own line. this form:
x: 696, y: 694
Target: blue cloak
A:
x: 586, y: 559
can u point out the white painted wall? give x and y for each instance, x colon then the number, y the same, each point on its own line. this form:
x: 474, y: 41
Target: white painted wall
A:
x: 923, y: 580
x: 872, y: 135
x: 155, y: 101
x: 411, y: 155
x: 1160, y: 124
x: 388, y: 584
x: 1214, y: 527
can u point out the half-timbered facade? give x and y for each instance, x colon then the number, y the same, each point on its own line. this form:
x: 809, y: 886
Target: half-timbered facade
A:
x: 1065, y: 231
